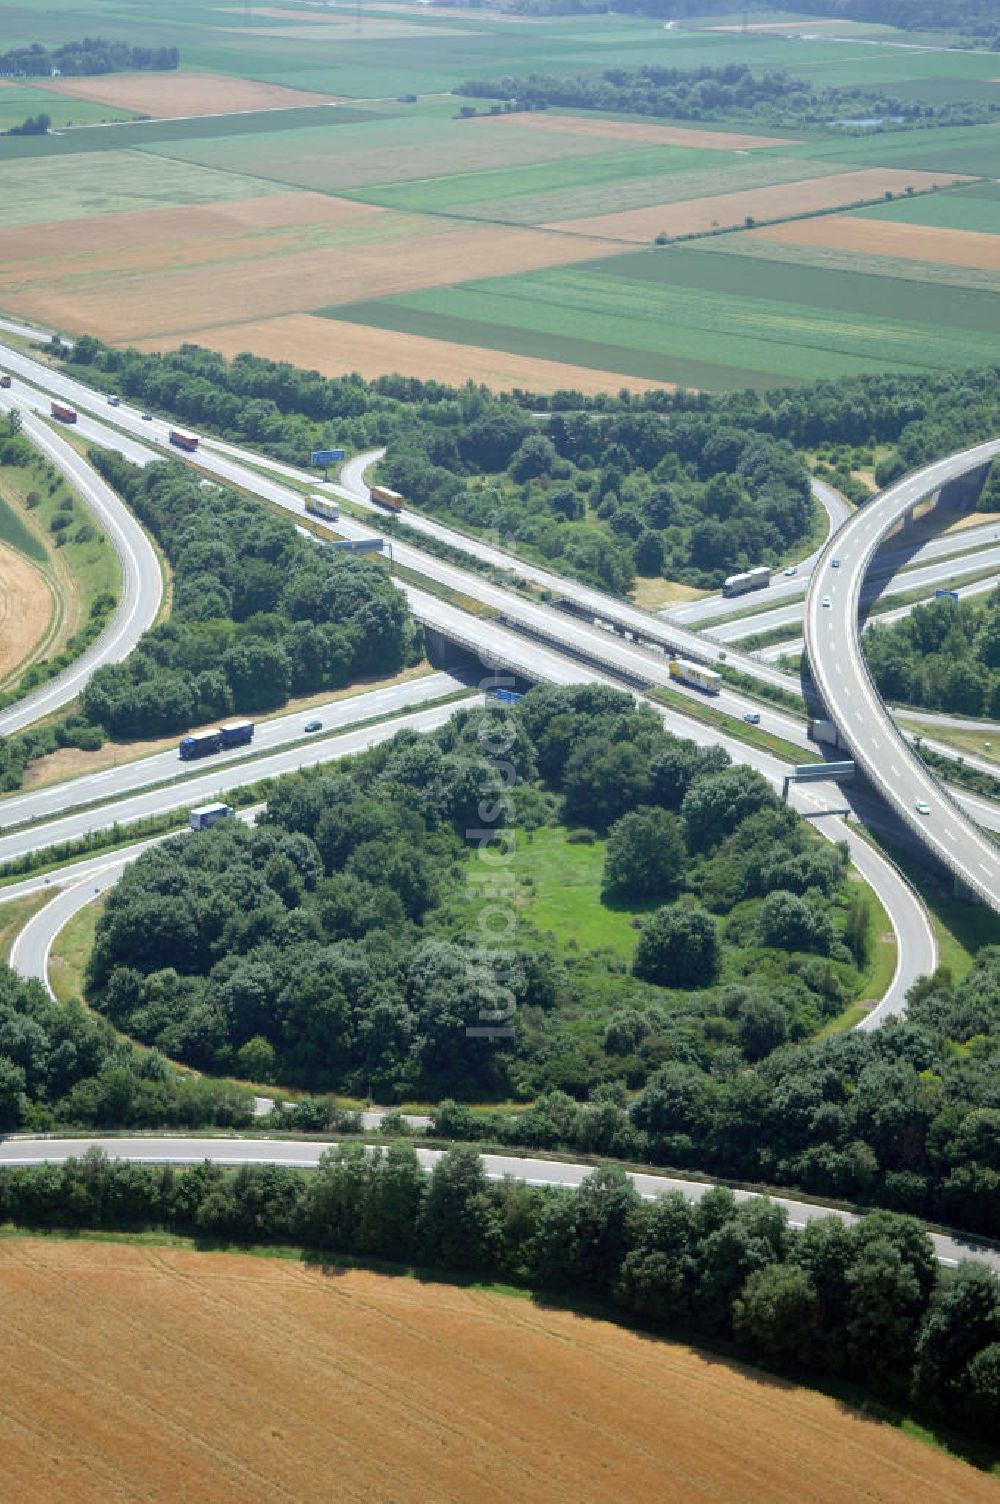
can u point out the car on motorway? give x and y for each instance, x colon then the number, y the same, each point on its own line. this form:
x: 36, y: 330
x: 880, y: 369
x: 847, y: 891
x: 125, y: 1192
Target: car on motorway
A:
x: 752, y: 717
x: 790, y: 569
x: 834, y: 563
x: 922, y: 807
x: 313, y: 726
x: 147, y: 417
x: 113, y: 401
x: 825, y: 601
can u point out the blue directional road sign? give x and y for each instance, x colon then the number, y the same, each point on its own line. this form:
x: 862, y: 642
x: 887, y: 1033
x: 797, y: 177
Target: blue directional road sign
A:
x: 326, y: 456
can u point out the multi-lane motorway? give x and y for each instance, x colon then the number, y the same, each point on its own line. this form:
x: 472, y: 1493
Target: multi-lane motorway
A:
x: 842, y: 679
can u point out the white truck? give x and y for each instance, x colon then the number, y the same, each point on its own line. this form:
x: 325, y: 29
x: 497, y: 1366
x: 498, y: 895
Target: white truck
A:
x: 210, y: 814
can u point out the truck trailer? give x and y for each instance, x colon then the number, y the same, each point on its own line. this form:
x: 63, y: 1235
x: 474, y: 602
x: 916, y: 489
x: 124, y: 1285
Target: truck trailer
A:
x: 387, y: 498
x: 236, y: 734
x: 200, y: 744
x: 751, y: 579
x: 63, y: 412
x: 210, y: 814
x: 186, y: 441
x: 323, y: 506
x: 696, y: 675
x: 825, y: 732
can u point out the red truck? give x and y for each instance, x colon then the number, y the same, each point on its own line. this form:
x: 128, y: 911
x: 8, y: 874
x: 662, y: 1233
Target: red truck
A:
x: 188, y: 441
x: 63, y: 412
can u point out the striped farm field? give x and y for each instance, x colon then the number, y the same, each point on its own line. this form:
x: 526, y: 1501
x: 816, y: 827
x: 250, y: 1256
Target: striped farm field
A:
x: 158, y: 1373
x: 170, y: 95
x: 337, y: 348
x: 975, y: 207
x: 699, y: 215
x: 885, y: 237
x: 375, y: 255
x: 632, y: 130
x: 694, y: 318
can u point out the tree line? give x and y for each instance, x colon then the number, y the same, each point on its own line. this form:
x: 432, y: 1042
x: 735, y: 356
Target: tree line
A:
x: 865, y: 1302
x: 942, y: 656
x: 733, y: 92
x: 90, y: 55
x: 332, y: 948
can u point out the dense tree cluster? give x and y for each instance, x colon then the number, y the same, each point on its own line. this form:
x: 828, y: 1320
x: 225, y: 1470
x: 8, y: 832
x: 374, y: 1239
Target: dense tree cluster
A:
x: 602, y: 495
x: 906, y: 1116
x: 943, y: 656
x: 259, y: 612
x: 92, y: 55
x: 331, y: 947
x: 732, y: 92
x: 63, y: 1064
x: 34, y: 125
x: 866, y: 1302
x: 687, y: 484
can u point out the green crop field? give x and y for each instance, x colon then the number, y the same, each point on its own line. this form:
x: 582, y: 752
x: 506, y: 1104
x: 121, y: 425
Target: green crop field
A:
x: 974, y: 208
x: 855, y: 263
x: 704, y: 320
x: 58, y: 188
x: 20, y: 101
x: 142, y: 133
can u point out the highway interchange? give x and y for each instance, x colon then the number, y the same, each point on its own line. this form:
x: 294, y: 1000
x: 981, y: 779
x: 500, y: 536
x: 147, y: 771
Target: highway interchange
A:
x: 572, y: 650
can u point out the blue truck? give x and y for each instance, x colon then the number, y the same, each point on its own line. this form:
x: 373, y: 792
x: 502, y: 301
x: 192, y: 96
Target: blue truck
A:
x: 218, y: 739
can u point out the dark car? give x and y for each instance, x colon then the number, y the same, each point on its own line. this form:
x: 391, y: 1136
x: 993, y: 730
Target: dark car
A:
x: 313, y: 726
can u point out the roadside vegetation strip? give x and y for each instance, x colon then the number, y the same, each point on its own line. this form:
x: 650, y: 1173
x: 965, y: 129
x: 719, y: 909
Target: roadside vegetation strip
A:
x: 882, y: 949
x: 753, y: 736
x: 43, y: 518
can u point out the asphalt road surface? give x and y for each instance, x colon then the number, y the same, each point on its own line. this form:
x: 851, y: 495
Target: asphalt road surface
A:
x: 845, y: 686
x: 141, y: 588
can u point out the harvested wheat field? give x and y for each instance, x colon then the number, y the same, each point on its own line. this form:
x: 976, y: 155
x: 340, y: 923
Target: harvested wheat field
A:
x: 699, y: 215
x: 336, y: 348
x: 163, y: 1374
x: 151, y: 240
x: 883, y: 237
x: 396, y: 254
x: 622, y: 130
x: 171, y: 96
x: 26, y: 608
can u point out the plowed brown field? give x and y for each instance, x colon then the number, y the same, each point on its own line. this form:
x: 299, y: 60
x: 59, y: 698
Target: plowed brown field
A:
x: 169, y: 96
x: 164, y: 1375
x: 336, y: 348
x: 394, y: 254
x: 883, y: 237
x: 623, y: 130
x: 698, y: 215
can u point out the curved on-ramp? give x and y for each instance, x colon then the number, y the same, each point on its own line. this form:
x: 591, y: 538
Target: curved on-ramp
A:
x: 845, y: 686
x: 141, y: 588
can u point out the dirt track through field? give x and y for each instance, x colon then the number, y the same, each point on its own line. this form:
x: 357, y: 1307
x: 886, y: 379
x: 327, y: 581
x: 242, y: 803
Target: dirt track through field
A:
x: 26, y: 607
x: 160, y: 1374
x: 699, y: 215
x: 337, y: 348
x: 885, y: 237
x: 171, y: 96
x: 625, y: 130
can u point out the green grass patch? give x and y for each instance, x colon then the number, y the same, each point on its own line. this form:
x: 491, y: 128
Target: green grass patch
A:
x: 880, y: 970
x: 22, y: 100
x: 973, y: 208
x: 559, y: 890
x: 54, y: 188
x: 71, y: 951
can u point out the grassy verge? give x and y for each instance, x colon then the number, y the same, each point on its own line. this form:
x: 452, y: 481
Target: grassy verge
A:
x: 753, y: 736
x: 880, y: 970
x: 961, y: 929
x: 971, y: 742
x: 15, y: 915
x: 71, y: 951
x: 45, y: 519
